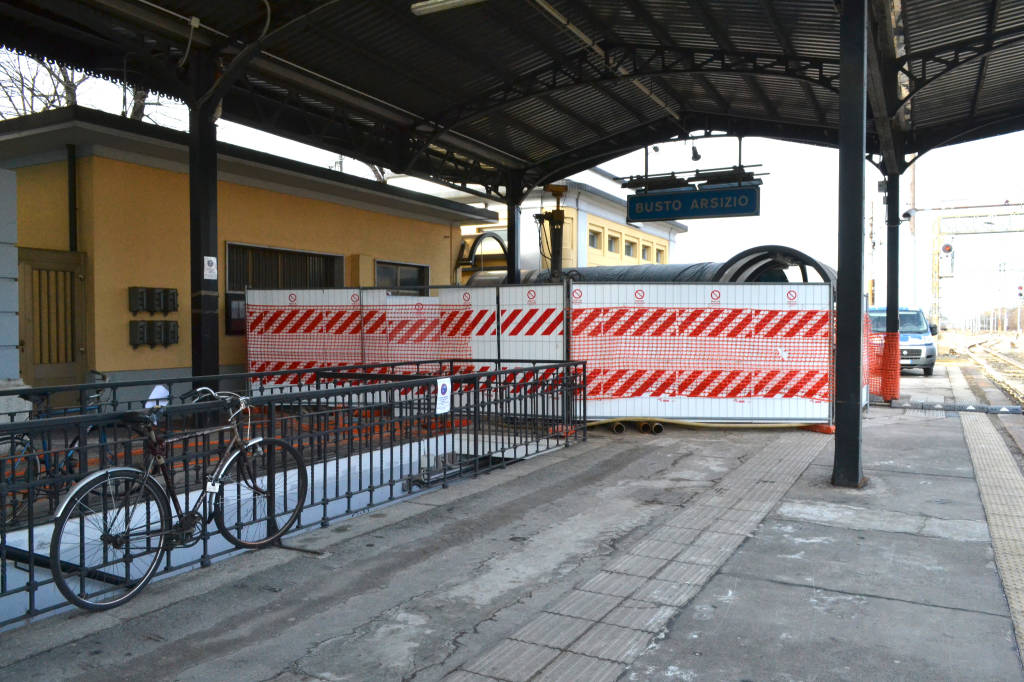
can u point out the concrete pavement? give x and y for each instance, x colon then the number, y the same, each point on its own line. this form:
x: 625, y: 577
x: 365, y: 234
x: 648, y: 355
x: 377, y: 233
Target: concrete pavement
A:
x: 697, y: 554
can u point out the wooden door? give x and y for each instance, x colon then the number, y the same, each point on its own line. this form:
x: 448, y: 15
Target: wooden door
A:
x: 51, y: 288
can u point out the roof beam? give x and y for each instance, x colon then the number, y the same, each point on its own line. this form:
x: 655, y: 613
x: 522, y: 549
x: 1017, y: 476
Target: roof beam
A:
x: 517, y: 29
x: 933, y: 64
x: 620, y: 143
x: 632, y: 62
x: 787, y: 47
x: 559, y: 57
x: 993, y: 9
x: 722, y: 38
x: 641, y: 12
x: 883, y: 94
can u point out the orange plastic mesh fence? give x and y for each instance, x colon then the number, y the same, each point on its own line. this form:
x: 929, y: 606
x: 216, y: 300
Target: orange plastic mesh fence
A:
x: 882, y: 363
x: 298, y: 337
x: 666, y: 352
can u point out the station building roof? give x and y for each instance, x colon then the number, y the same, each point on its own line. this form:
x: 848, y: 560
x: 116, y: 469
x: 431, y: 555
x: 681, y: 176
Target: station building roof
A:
x: 42, y: 138
x: 535, y: 90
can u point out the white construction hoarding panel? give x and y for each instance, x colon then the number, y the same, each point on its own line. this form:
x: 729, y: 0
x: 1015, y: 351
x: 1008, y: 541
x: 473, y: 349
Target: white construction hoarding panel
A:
x: 707, y: 352
x: 299, y: 329
x: 469, y: 324
x: 532, y: 322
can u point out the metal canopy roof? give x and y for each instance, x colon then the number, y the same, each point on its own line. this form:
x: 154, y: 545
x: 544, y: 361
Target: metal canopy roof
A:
x: 483, y: 93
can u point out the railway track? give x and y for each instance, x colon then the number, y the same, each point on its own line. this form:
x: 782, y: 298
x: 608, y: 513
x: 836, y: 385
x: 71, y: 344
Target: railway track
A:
x: 1003, y: 366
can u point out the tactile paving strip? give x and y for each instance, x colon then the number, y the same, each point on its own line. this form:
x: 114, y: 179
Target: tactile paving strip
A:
x: 1002, y: 494
x: 656, y: 576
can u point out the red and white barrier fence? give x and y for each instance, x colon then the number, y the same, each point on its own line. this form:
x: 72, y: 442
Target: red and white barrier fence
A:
x: 703, y: 352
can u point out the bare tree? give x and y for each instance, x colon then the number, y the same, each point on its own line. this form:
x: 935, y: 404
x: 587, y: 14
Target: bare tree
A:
x: 28, y: 86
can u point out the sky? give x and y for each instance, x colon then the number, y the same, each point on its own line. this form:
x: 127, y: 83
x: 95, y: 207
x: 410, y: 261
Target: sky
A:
x: 799, y: 200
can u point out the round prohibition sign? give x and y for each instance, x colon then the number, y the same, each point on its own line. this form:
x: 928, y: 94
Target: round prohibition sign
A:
x: 791, y: 294
x: 466, y: 297
x: 354, y: 298
x: 716, y: 295
x: 531, y: 294
x: 418, y: 306
x: 292, y: 298
x: 577, y: 294
x: 639, y: 294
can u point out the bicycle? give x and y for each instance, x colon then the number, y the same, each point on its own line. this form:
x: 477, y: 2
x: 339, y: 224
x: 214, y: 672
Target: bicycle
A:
x: 116, y: 524
x: 27, y: 471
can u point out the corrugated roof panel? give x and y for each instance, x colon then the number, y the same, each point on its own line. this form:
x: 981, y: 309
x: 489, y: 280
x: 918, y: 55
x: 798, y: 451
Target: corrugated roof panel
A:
x: 812, y: 26
x: 948, y: 102
x: 375, y: 58
x: 1002, y: 87
x: 745, y: 26
x: 1010, y: 15
x: 930, y: 24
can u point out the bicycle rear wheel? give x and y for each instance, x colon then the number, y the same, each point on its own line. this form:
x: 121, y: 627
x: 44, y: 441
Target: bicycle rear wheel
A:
x: 262, y: 491
x: 19, y: 469
x: 108, y: 540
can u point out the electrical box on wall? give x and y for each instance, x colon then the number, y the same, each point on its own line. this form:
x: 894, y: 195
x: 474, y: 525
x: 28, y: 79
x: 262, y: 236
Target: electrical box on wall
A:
x: 138, y: 333
x: 170, y: 300
x: 234, y: 309
x: 137, y: 299
x: 152, y: 300
x: 156, y: 334
x: 155, y: 300
x: 152, y: 333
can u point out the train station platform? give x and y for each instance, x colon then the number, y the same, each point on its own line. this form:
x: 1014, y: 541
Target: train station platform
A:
x: 697, y: 554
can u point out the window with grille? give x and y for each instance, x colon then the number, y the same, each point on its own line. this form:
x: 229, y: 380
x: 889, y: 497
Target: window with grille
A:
x: 259, y: 267
x: 403, y: 278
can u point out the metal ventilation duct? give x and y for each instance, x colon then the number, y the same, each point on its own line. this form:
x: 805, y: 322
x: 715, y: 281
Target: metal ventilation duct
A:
x: 759, y: 264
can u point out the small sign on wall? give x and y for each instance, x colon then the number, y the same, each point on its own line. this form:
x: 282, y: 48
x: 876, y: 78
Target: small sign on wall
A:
x: 209, y: 267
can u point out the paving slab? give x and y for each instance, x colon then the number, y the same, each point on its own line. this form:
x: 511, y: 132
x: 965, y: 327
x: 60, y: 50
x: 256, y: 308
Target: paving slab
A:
x: 749, y: 628
x: 888, y: 563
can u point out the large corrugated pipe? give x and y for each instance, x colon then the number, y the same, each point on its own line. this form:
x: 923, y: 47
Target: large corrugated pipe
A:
x: 656, y: 428
x: 645, y: 427
x: 618, y: 427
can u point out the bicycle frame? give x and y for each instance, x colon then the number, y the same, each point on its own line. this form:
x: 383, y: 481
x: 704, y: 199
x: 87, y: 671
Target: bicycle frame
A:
x: 155, y: 458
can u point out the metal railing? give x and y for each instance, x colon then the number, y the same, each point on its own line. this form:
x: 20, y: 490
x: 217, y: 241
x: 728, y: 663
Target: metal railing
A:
x: 368, y: 434
x: 120, y: 396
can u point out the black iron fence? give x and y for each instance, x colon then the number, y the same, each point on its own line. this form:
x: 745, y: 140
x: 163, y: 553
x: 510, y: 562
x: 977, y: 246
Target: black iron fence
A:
x: 368, y: 434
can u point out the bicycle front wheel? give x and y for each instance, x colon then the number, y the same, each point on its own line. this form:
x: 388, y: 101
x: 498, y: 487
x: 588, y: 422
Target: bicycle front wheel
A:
x: 262, y: 491
x: 108, y: 540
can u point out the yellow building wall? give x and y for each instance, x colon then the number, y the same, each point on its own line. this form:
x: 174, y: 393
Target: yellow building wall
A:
x: 43, y: 206
x: 571, y: 248
x: 134, y: 227
x: 622, y: 234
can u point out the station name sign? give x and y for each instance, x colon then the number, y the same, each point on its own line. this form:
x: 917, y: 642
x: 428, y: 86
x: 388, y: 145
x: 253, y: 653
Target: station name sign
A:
x: 724, y: 202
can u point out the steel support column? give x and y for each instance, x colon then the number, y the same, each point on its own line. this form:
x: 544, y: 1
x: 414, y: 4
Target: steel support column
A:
x: 892, y: 253
x: 846, y: 470
x: 202, y: 188
x: 891, y: 349
x: 513, y: 199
